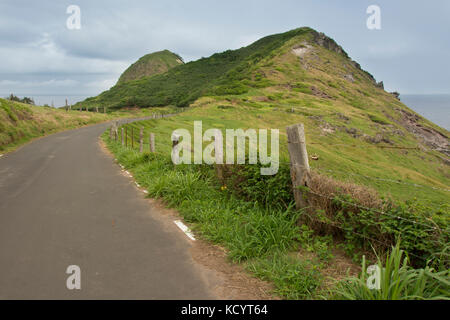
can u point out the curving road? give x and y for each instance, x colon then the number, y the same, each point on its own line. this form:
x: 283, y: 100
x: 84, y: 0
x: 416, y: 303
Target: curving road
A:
x: 64, y: 202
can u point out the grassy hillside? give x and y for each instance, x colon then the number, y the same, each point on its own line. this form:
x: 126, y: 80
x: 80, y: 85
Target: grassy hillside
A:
x: 19, y: 122
x: 352, y: 124
x: 151, y: 64
x: 380, y: 171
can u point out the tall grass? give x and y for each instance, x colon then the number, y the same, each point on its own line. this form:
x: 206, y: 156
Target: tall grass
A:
x: 398, y: 281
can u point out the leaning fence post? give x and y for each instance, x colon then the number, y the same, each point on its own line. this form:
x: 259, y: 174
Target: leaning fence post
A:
x: 300, y: 171
x: 152, y: 142
x: 123, y: 138
x: 141, y: 140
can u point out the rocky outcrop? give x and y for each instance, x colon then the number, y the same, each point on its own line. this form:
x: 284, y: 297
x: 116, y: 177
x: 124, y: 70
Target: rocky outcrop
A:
x: 429, y: 136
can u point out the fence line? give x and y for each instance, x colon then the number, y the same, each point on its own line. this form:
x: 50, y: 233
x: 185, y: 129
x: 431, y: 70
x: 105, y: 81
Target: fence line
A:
x: 383, y: 179
x: 366, y: 237
x: 300, y: 171
x: 335, y: 198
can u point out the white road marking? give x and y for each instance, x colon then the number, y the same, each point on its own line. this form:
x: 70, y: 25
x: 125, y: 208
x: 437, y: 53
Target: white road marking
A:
x: 185, y: 229
x: 128, y: 174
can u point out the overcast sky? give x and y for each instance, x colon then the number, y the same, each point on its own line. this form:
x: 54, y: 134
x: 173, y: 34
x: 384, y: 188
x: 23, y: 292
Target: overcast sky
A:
x: 39, y: 55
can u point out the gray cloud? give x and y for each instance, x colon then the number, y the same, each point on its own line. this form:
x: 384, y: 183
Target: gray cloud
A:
x: 39, y: 54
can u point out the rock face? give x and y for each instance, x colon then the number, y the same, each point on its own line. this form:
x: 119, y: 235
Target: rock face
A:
x: 396, y: 95
x: 322, y: 40
x: 431, y: 137
x: 150, y: 65
x: 380, y: 85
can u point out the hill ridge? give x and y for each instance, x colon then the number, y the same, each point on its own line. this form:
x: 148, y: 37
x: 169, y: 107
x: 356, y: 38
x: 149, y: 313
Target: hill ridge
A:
x: 150, y: 64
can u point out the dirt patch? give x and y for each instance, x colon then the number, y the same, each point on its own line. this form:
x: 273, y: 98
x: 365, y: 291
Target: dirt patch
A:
x: 318, y: 93
x: 302, y: 49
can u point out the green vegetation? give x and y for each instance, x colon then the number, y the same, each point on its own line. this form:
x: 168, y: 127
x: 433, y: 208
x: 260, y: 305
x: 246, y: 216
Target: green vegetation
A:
x: 20, y: 122
x: 255, y: 236
x: 26, y: 100
x: 230, y: 72
x: 264, y: 236
x: 376, y: 179
x: 293, y: 278
x: 150, y: 65
x: 398, y: 281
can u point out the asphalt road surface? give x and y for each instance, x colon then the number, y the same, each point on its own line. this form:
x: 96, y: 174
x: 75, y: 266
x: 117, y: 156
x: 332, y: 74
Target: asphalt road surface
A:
x: 63, y: 201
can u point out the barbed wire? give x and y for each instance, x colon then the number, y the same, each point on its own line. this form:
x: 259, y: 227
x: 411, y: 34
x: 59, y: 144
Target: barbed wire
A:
x: 362, y: 147
x: 335, y: 198
x: 364, y: 236
x: 361, y: 175
x: 382, y: 179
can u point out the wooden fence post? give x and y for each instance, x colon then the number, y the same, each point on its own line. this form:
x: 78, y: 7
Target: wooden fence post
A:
x: 152, y: 142
x: 300, y: 171
x: 132, y: 138
x: 141, y: 140
x: 110, y: 132
x: 126, y: 137
x: 67, y: 106
x: 123, y: 138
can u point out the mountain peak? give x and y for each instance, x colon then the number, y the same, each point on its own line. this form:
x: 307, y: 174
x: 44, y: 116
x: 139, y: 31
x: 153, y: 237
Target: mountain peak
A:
x: 151, y: 64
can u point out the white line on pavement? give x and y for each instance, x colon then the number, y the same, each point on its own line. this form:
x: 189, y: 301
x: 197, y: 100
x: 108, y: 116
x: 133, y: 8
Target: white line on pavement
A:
x: 185, y: 229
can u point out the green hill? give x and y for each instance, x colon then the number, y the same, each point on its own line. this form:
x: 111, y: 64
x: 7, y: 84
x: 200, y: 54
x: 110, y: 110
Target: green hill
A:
x: 20, y: 122
x: 380, y: 170
x: 230, y: 72
x: 150, y: 65
x: 304, y: 76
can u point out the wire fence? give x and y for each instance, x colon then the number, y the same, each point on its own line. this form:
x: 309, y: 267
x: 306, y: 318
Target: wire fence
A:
x: 432, y: 227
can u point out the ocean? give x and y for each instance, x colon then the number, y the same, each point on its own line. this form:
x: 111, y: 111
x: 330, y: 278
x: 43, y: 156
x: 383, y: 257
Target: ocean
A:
x: 434, y: 107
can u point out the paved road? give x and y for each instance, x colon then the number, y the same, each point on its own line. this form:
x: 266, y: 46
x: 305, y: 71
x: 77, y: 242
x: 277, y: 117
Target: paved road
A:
x: 64, y: 202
